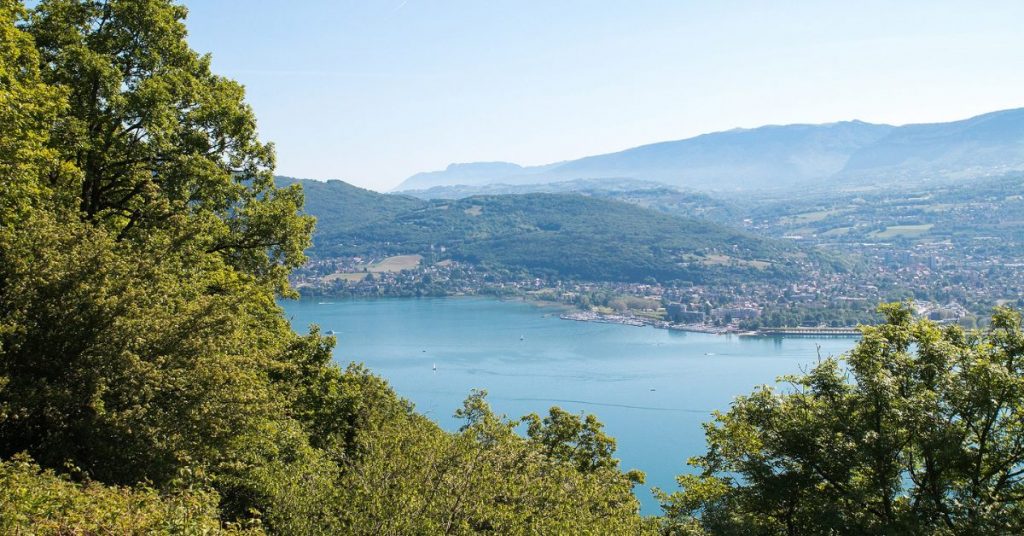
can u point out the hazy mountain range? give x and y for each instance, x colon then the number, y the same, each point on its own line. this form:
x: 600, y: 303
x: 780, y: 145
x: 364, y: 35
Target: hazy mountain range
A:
x: 847, y: 153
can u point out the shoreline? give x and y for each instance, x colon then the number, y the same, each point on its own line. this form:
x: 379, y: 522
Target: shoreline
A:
x: 569, y: 312
x: 628, y: 320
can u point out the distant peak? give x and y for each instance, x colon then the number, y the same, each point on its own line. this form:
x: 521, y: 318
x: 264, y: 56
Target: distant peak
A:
x: 772, y: 156
x: 458, y: 166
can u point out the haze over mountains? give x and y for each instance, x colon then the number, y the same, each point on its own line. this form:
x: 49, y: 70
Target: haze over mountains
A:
x: 848, y: 153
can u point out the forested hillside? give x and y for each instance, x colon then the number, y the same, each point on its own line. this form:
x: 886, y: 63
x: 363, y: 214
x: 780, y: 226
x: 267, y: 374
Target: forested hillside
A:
x: 148, y: 380
x: 588, y: 237
x: 647, y: 194
x: 339, y: 205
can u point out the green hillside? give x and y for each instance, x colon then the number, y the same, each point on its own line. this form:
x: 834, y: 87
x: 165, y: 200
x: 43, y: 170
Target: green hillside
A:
x: 686, y: 203
x: 339, y: 205
x: 560, y: 234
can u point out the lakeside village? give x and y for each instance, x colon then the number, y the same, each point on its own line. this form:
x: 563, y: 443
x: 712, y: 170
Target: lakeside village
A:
x: 824, y: 304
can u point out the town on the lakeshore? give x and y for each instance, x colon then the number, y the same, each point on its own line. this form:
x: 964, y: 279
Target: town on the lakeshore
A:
x: 944, y: 287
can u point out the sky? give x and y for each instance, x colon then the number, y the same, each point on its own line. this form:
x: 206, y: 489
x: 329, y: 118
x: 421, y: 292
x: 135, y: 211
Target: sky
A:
x: 372, y: 92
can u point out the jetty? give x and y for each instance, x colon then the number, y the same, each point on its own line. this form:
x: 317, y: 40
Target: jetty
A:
x: 809, y: 332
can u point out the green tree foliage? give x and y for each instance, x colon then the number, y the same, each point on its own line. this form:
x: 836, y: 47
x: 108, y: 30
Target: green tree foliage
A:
x: 157, y: 242
x: 28, y: 108
x: 579, y: 442
x: 163, y: 145
x: 39, y: 502
x: 415, y: 479
x: 918, y: 431
x: 144, y: 363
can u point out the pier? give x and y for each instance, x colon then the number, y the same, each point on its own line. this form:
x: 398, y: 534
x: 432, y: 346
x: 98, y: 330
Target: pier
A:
x: 810, y: 332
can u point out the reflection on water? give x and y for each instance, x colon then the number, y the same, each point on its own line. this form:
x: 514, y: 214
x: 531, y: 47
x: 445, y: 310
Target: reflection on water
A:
x: 651, y: 388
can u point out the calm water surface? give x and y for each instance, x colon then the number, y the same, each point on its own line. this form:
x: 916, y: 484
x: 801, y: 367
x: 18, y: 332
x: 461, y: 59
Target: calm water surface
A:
x: 651, y: 388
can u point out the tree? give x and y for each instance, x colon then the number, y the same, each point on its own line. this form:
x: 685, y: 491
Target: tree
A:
x: 574, y: 440
x: 917, y: 431
x: 149, y: 382
x: 143, y: 244
x: 163, y: 144
x: 415, y: 479
x: 28, y: 110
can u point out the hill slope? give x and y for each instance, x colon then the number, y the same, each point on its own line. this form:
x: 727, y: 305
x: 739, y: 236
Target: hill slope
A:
x: 338, y: 204
x: 987, y: 144
x: 737, y: 159
x: 569, y: 235
x: 648, y: 194
x: 774, y: 157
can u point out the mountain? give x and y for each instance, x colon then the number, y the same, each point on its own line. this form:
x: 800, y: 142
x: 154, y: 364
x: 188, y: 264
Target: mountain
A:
x: 469, y: 174
x: 779, y: 157
x: 988, y: 144
x: 459, y: 191
x: 737, y: 159
x: 573, y: 236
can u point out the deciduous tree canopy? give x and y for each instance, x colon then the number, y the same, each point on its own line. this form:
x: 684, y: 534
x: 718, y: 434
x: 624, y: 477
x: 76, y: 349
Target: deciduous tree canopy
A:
x: 148, y: 379
x: 917, y: 431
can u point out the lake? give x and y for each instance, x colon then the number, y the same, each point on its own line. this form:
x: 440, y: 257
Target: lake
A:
x: 651, y: 388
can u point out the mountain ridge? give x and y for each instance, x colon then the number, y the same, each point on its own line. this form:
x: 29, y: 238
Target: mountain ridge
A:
x: 779, y: 156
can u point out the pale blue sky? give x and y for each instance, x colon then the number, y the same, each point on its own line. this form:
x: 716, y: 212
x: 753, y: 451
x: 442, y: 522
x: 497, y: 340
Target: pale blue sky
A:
x: 372, y: 92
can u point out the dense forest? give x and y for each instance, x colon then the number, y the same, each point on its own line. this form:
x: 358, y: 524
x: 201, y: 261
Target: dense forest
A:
x: 150, y: 384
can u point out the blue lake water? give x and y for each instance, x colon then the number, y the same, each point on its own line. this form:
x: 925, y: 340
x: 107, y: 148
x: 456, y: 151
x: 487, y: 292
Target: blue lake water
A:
x: 651, y: 388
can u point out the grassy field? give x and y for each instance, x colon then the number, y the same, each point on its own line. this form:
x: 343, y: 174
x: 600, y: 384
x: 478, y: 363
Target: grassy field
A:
x: 390, y: 264
x: 396, y: 263
x: 653, y: 315
x: 894, y: 231
x: 810, y: 217
x: 723, y: 260
x: 351, y: 277
x: 838, y: 231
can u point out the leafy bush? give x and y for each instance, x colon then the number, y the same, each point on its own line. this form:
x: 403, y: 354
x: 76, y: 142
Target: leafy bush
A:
x: 40, y: 502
